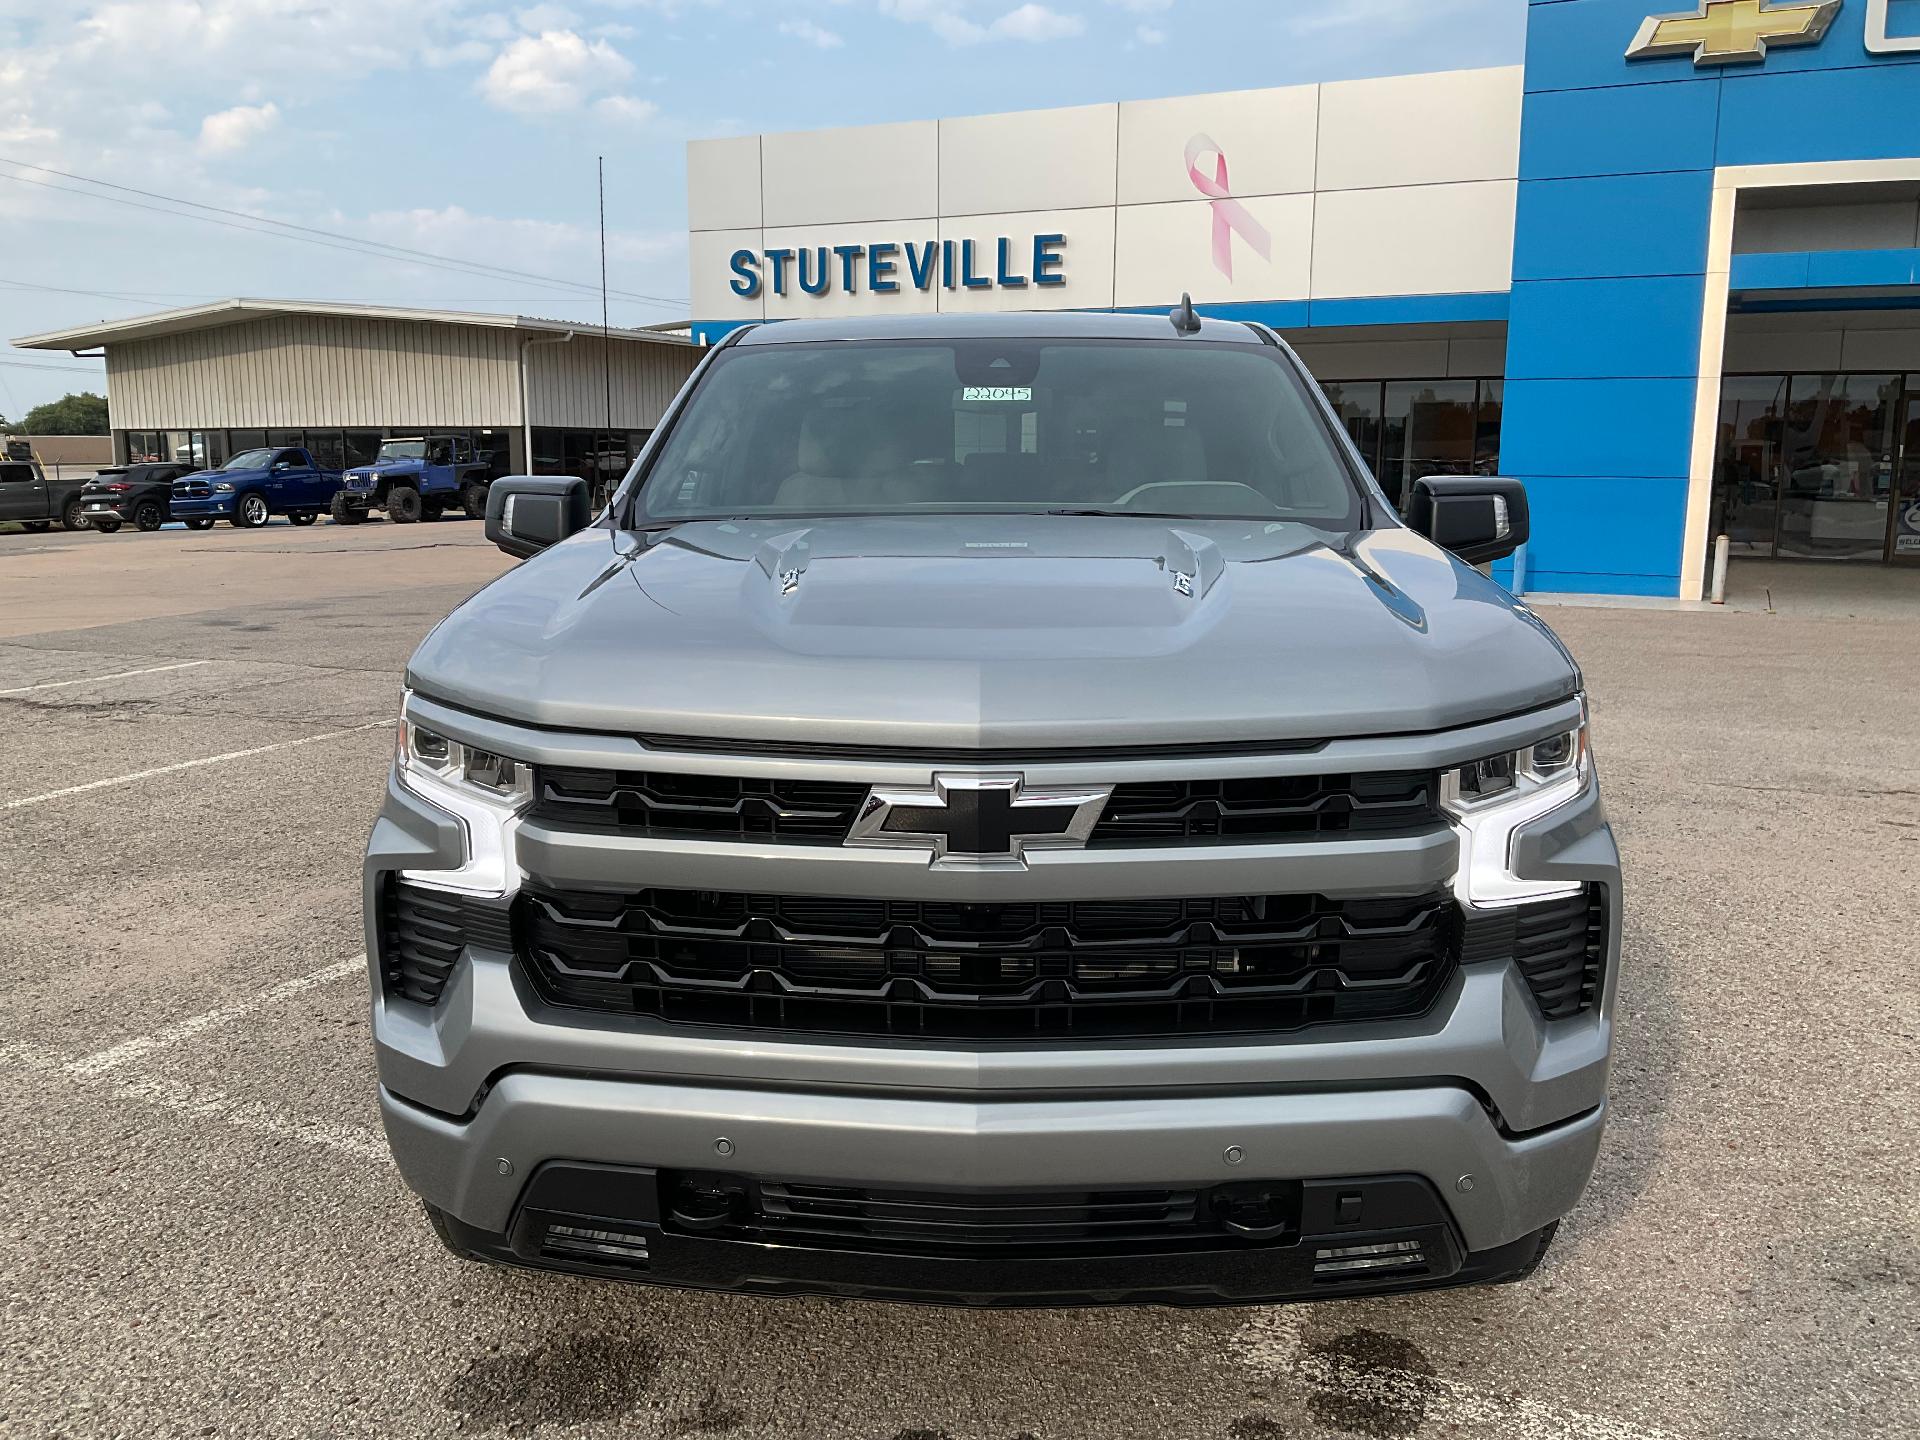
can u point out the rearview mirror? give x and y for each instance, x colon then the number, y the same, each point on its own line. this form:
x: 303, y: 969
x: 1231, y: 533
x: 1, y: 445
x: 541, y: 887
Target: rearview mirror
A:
x: 527, y: 513
x: 1480, y: 518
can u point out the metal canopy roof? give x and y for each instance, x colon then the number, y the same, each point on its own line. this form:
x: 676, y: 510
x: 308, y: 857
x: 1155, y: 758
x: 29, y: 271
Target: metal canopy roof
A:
x: 230, y: 312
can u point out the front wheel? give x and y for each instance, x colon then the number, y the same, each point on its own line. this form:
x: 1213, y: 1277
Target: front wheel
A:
x: 345, y: 512
x: 403, y: 505
x: 147, y: 515
x: 303, y: 517
x: 74, y: 517
x: 473, y: 500
x: 108, y: 527
x: 203, y: 522
x: 250, y: 512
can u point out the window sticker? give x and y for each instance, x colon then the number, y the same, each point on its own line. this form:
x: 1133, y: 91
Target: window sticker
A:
x: 996, y: 394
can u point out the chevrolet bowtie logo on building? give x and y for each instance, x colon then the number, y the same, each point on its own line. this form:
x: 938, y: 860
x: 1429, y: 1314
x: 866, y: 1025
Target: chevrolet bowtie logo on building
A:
x: 1733, y: 32
x: 979, y: 819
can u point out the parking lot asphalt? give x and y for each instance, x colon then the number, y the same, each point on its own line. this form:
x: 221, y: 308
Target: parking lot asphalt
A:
x: 204, y: 1236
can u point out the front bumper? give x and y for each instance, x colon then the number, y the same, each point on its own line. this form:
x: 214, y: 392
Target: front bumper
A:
x: 216, y: 506
x: 1497, y: 1111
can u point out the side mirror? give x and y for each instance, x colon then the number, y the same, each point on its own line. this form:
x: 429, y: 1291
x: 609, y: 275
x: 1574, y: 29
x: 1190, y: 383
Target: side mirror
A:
x: 527, y: 513
x: 1479, y: 518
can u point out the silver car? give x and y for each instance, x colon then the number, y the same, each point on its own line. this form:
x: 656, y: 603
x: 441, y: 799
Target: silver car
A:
x: 999, y: 810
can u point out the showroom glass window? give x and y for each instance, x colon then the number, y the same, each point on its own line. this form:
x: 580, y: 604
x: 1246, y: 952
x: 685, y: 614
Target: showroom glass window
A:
x: 1839, y: 457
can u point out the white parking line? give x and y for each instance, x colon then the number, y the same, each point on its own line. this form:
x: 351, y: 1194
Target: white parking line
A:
x: 190, y: 765
x: 360, y: 1141
x: 126, y: 1051
x: 97, y: 679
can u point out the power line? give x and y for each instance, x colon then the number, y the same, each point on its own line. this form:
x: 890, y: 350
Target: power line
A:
x: 69, y: 369
x: 327, y: 239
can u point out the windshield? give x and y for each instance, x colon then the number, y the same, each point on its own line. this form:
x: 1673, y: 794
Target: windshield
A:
x: 249, y: 460
x: 996, y: 426
x: 404, y: 450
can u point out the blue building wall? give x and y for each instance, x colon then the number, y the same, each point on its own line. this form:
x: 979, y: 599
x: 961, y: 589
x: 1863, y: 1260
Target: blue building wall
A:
x: 1617, y: 169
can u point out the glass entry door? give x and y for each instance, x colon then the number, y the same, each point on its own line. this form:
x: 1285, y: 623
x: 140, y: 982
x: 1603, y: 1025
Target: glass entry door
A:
x: 1837, y: 467
x: 1903, y: 540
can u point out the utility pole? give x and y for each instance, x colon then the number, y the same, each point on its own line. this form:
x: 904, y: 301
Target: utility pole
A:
x: 603, y: 489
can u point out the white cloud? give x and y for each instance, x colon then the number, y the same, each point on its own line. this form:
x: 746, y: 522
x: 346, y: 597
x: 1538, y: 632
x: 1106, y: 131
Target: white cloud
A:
x: 950, y: 20
x: 809, y: 33
x: 552, y: 71
x: 537, y: 19
x: 1037, y: 22
x: 235, y: 129
x: 1150, y: 35
x: 626, y: 109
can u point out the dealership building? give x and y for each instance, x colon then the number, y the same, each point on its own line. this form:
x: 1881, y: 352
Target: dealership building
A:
x: 204, y: 383
x: 1667, y: 272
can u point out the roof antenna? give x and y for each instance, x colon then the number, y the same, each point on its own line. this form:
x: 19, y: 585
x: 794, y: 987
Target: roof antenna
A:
x: 1186, y: 321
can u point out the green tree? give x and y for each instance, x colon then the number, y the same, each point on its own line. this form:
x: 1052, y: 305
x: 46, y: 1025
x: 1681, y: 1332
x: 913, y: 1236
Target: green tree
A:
x: 82, y: 414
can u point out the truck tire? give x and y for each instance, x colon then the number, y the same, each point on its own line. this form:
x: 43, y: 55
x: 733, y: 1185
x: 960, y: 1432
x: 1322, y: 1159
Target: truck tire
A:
x: 432, y: 509
x: 250, y: 511
x: 74, y: 517
x: 403, y: 505
x: 147, y: 515
x: 345, y: 513
x: 200, y: 522
x: 473, y: 500
x: 106, y: 527
x: 304, y: 517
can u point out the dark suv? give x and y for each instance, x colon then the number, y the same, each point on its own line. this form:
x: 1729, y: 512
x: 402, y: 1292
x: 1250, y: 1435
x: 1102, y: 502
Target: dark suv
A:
x: 140, y: 495
x: 999, y: 809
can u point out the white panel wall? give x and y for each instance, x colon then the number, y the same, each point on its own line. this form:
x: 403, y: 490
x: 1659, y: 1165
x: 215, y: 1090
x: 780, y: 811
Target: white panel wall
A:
x: 1420, y: 129
x: 878, y: 172
x: 1267, y: 136
x: 1401, y: 186
x: 723, y: 184
x: 1160, y: 242
x: 1048, y: 160
x: 1415, y: 240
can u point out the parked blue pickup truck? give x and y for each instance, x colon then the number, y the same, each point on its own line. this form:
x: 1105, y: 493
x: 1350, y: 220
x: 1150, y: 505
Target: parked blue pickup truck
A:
x: 254, y: 486
x: 416, y: 478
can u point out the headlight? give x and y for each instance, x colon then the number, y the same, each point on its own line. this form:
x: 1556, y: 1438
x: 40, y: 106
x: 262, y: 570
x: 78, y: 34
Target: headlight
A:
x: 1489, y: 799
x: 225, y: 487
x: 486, y: 792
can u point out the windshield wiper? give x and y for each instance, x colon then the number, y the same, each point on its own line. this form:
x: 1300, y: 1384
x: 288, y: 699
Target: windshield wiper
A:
x: 1143, y: 515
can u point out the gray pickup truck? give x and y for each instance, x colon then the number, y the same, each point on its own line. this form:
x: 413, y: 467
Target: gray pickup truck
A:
x: 31, y: 500
x: 999, y: 810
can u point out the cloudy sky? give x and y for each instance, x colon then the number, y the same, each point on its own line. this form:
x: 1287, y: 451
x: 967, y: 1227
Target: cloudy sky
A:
x: 461, y: 129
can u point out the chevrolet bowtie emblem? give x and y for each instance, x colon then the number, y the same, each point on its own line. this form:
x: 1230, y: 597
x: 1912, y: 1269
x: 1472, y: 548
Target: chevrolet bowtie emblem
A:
x: 1733, y: 32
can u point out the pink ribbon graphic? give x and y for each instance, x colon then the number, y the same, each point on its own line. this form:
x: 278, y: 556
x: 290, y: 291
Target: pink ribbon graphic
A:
x: 1230, y: 217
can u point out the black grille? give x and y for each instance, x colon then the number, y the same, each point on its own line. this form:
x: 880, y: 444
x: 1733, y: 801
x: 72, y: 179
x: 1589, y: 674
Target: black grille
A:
x: 717, y: 807
x: 712, y: 807
x: 1005, y: 1225
x: 422, y: 933
x: 1060, y: 970
x: 1559, y: 945
x: 1267, y: 809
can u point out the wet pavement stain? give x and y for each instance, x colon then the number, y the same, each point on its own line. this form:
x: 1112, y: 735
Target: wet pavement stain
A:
x: 711, y: 1418
x: 564, y: 1382
x: 1369, y: 1383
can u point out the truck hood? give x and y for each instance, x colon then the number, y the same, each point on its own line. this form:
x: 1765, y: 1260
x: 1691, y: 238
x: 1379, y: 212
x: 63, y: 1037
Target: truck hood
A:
x: 1000, y: 632
x: 231, y: 477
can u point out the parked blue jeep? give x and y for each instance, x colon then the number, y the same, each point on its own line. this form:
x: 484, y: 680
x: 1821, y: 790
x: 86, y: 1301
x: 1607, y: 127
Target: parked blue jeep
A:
x: 415, y: 478
x: 254, y: 486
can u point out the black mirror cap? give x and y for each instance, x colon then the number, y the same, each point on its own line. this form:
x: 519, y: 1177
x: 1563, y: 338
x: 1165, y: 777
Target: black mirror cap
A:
x: 527, y: 513
x: 1480, y: 518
